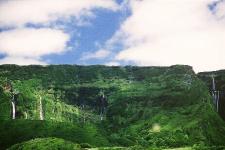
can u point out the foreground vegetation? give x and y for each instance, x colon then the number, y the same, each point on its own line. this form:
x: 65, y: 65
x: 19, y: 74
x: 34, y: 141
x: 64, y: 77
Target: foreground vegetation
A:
x: 148, y: 108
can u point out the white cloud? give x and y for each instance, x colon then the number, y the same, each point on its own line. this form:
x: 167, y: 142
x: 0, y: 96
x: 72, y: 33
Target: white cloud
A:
x: 112, y: 63
x: 168, y: 32
x: 96, y: 55
x: 21, y: 61
x: 23, y: 45
x: 32, y: 43
x: 220, y: 10
x: 20, y: 12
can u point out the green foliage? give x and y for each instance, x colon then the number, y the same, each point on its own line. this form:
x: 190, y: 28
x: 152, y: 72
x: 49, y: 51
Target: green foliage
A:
x: 149, y: 107
x: 85, y: 145
x: 5, y: 109
x: 16, y: 131
x: 219, y: 77
x: 46, y: 144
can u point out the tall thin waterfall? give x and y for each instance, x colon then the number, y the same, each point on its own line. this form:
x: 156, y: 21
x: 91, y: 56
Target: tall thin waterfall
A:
x: 13, y: 108
x: 40, y: 108
x: 102, y: 109
x: 102, y: 106
x: 13, y: 101
x: 218, y: 98
x: 26, y: 116
x: 215, y: 94
x: 213, y: 83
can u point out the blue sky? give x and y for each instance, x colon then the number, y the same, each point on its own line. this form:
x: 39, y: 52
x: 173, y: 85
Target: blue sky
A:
x: 113, y: 32
x: 90, y: 37
x: 87, y: 33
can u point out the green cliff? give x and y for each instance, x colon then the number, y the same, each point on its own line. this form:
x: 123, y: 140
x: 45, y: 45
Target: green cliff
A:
x: 219, y: 81
x: 146, y: 107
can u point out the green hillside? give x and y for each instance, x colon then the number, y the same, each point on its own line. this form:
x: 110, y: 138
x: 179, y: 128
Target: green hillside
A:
x: 145, y: 108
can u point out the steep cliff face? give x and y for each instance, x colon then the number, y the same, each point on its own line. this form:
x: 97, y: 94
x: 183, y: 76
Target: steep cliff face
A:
x: 170, y: 107
x: 147, y: 106
x: 216, y: 82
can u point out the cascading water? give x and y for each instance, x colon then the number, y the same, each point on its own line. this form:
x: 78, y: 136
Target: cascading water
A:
x: 41, y: 110
x: 102, y: 106
x: 218, y: 98
x: 26, y: 116
x: 13, y: 108
x: 215, y: 94
x: 213, y: 83
x: 13, y: 102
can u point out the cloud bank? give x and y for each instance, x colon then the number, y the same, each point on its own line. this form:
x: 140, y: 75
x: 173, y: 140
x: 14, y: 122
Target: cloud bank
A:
x: 100, y: 54
x: 20, y: 12
x: 21, y: 61
x: 168, y: 32
x: 27, y: 45
x: 32, y: 43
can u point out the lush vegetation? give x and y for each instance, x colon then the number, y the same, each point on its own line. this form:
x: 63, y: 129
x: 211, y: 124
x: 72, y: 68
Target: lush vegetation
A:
x: 148, y: 108
x: 219, y: 77
x: 45, y: 144
x: 21, y: 130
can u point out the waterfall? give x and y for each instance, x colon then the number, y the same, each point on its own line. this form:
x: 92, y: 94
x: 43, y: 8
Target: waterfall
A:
x: 102, y: 106
x: 25, y: 115
x: 13, y: 110
x: 41, y: 110
x: 84, y: 117
x: 101, y: 109
x: 213, y: 84
x: 215, y: 94
x: 218, y: 98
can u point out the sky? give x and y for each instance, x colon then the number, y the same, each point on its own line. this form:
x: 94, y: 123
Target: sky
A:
x: 113, y: 32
